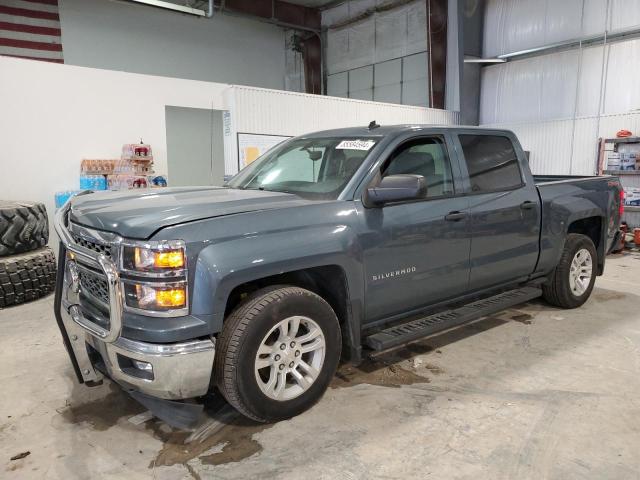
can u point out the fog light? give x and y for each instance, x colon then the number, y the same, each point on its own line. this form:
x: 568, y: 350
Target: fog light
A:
x: 144, y: 366
x: 161, y: 297
x: 170, y: 298
x: 150, y: 297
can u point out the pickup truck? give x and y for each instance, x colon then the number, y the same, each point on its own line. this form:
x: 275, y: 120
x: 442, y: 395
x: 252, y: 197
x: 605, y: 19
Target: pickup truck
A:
x: 330, y: 246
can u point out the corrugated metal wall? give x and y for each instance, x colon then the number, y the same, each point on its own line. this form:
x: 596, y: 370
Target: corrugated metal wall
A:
x: 276, y: 112
x: 377, y: 54
x: 561, y: 103
x: 565, y: 147
x: 515, y: 25
x: 586, y: 82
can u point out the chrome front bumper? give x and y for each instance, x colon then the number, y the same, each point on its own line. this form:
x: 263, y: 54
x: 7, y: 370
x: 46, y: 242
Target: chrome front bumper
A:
x: 168, y: 371
x: 179, y: 370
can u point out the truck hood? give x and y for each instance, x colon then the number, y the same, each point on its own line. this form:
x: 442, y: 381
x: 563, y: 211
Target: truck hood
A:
x: 139, y: 214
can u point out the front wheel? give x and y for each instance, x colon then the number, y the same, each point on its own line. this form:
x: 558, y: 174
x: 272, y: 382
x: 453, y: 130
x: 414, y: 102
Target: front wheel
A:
x: 573, y: 278
x: 277, y: 353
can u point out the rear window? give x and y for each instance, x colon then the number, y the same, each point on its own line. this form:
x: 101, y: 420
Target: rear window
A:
x: 491, y: 161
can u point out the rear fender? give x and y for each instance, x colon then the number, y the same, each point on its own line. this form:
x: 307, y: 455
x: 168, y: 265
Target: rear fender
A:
x: 558, y: 215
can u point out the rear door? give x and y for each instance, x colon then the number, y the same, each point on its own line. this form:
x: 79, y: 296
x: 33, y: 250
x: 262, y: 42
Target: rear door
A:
x: 505, y: 210
x: 416, y: 253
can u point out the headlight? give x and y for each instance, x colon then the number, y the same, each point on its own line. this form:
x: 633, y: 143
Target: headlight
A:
x: 156, y: 297
x: 155, y: 277
x: 158, y: 257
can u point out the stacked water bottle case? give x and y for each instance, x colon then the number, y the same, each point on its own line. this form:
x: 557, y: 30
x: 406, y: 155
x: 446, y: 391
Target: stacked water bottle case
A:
x: 134, y: 169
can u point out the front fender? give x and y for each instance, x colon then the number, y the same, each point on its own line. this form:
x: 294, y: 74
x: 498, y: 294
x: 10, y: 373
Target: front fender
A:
x: 223, y: 266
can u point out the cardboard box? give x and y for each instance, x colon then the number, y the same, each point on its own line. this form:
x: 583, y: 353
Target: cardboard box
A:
x: 632, y: 197
x: 613, y: 161
x: 627, y: 161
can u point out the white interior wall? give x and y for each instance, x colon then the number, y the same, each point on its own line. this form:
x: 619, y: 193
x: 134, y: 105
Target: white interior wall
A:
x: 141, y: 39
x: 257, y: 110
x: 52, y: 116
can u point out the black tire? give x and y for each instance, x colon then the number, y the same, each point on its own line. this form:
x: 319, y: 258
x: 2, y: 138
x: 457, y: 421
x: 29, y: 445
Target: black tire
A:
x: 557, y: 291
x: 242, y: 334
x: 23, y: 227
x: 27, y: 276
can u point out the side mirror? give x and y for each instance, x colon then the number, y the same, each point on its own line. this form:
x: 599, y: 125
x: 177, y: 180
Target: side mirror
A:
x: 396, y: 188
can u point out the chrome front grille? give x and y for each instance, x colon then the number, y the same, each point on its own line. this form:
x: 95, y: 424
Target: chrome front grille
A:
x: 95, y: 285
x: 93, y: 246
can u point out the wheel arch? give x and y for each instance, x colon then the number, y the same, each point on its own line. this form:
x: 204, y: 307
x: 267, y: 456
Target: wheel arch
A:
x: 327, y: 281
x: 591, y: 227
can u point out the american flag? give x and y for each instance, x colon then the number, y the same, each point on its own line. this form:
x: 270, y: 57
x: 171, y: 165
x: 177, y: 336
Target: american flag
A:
x: 31, y: 29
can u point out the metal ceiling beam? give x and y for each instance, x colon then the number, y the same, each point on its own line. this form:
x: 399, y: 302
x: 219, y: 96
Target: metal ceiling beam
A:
x: 484, y: 60
x: 599, y: 39
x: 174, y: 7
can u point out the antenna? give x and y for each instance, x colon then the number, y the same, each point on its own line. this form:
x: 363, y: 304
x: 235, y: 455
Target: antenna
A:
x: 373, y: 125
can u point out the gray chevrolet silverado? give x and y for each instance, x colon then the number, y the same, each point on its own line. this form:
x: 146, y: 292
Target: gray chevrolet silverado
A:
x: 330, y: 246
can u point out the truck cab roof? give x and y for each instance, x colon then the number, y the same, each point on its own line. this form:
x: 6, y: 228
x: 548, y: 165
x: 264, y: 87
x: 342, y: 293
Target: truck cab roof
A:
x: 389, y: 130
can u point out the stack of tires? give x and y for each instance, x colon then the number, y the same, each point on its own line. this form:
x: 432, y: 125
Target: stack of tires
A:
x: 27, y: 265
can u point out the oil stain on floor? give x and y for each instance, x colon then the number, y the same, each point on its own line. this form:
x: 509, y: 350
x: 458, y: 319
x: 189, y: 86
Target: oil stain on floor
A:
x: 390, y: 369
x: 522, y: 318
x: 235, y: 436
x: 376, y: 373
x: 105, y: 412
x: 231, y: 436
x: 603, y: 295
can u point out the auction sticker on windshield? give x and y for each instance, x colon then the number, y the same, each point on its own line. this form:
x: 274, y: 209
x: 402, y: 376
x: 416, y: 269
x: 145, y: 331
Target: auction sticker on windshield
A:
x: 355, y: 145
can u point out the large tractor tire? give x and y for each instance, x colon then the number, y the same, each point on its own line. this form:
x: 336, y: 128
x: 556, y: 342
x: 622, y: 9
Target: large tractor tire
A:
x: 24, y: 227
x: 26, y: 276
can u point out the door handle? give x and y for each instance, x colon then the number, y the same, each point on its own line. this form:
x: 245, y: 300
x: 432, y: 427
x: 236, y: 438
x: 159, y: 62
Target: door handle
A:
x: 527, y: 205
x: 455, y: 216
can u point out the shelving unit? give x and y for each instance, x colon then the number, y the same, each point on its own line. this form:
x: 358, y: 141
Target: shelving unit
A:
x: 622, y: 172
x: 628, y: 178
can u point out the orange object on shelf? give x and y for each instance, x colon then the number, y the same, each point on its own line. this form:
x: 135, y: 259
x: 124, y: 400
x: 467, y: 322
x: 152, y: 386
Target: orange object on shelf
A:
x: 624, y: 133
x: 624, y: 228
x: 636, y: 236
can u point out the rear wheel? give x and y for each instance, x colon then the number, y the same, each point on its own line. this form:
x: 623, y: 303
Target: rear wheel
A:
x: 277, y: 353
x: 574, y: 276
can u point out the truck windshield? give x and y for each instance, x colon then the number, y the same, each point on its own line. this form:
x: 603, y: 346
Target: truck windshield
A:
x: 314, y: 168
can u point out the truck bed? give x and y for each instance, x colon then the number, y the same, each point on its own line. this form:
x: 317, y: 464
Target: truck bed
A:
x: 559, y: 194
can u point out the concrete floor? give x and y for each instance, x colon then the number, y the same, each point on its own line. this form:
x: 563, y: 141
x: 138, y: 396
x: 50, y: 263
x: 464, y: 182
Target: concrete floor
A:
x: 530, y: 393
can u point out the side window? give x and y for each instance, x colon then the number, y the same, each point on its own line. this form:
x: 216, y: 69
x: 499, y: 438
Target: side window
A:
x: 491, y: 161
x: 427, y: 157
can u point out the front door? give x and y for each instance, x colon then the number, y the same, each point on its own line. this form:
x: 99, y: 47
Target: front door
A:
x: 417, y: 253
